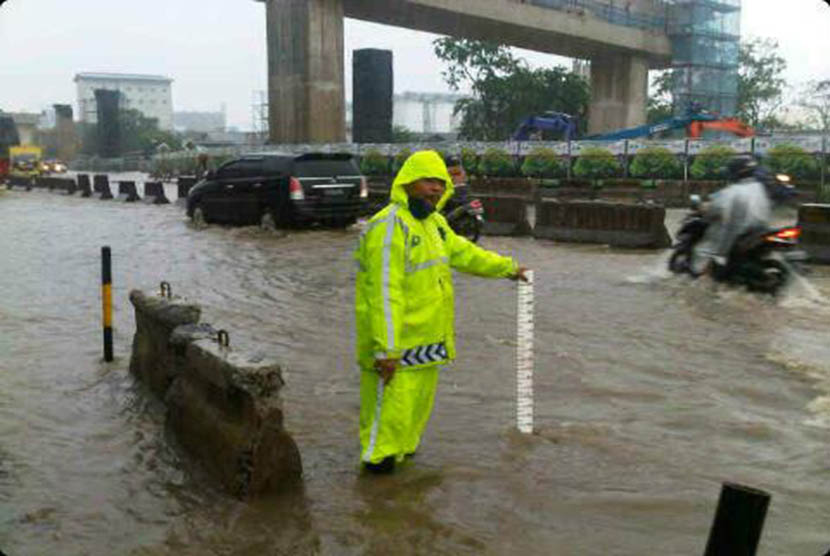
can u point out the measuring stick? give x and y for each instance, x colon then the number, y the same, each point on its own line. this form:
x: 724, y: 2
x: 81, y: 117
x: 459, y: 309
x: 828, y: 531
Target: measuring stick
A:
x: 524, y: 356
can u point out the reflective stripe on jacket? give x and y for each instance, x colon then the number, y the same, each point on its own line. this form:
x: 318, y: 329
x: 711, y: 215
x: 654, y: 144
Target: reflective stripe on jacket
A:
x: 404, y: 298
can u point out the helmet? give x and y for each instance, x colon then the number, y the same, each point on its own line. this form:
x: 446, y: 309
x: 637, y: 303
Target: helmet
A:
x: 452, y: 160
x: 741, y: 167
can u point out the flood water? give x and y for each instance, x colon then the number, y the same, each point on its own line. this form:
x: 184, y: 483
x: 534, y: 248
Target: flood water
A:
x: 650, y: 392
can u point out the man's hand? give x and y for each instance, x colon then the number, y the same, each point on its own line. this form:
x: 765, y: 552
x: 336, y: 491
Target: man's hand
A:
x: 386, y: 368
x: 520, y: 274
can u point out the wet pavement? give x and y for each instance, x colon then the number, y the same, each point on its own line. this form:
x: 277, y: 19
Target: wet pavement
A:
x: 650, y: 391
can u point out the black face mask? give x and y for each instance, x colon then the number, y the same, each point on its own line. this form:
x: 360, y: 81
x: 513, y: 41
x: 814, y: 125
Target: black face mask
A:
x: 420, y: 208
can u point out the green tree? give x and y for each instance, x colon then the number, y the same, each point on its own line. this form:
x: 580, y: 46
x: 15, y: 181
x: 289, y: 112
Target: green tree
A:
x: 711, y: 162
x: 596, y: 163
x: 655, y: 162
x: 816, y: 100
x: 139, y: 133
x: 505, y: 90
x: 760, y: 82
x: 402, y: 134
x: 660, y: 105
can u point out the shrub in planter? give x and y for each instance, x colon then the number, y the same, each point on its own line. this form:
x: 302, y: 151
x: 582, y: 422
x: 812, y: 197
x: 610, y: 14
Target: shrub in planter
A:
x: 543, y: 163
x: 596, y: 163
x: 469, y: 159
x: 793, y: 160
x: 656, y: 163
x: 496, y: 163
x: 399, y: 159
x: 710, y: 163
x: 374, y: 163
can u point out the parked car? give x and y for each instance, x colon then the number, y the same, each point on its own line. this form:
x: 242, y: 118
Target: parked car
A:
x: 278, y: 189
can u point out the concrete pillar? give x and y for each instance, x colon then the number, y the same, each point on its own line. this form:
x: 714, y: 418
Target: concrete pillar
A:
x: 305, y: 71
x: 619, y: 91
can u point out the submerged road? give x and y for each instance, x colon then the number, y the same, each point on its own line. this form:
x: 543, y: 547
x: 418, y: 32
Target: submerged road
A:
x: 650, y: 391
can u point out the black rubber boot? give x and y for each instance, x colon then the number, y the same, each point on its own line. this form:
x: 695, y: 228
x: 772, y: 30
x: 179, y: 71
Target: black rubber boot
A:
x: 387, y: 465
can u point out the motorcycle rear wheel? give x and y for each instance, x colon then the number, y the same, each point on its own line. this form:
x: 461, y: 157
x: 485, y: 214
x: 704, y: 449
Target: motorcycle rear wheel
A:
x: 774, y: 276
x: 467, y: 226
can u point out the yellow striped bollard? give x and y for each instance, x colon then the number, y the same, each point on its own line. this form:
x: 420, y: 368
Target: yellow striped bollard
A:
x: 106, y: 300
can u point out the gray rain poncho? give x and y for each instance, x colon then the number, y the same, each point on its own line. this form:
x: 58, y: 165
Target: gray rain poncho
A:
x: 733, y: 211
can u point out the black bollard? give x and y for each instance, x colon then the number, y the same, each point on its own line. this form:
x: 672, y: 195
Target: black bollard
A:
x: 739, y: 520
x: 106, y: 300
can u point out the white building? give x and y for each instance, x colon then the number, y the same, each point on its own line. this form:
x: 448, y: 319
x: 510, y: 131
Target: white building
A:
x: 426, y: 112
x: 149, y: 94
x: 202, y: 122
x: 421, y: 113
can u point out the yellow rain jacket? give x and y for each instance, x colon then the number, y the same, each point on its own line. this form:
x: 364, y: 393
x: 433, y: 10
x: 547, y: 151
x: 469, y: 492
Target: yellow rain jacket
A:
x: 405, y: 307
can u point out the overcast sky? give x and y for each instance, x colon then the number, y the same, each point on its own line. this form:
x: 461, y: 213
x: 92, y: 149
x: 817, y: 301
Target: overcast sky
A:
x: 215, y: 50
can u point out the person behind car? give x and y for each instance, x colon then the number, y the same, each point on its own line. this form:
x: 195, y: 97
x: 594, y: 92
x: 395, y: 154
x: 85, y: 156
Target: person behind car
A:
x: 404, y: 307
x: 459, y: 179
x: 744, y: 205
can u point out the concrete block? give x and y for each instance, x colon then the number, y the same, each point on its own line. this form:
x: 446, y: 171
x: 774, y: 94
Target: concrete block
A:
x: 127, y: 192
x: 154, y: 193
x: 156, y: 317
x: 223, y: 405
x: 618, y: 225
x: 101, y: 187
x: 505, y: 216
x: 814, y: 220
x: 84, y: 186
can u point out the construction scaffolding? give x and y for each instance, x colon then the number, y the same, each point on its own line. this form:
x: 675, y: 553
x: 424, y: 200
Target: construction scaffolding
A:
x: 259, y: 116
x: 705, y: 37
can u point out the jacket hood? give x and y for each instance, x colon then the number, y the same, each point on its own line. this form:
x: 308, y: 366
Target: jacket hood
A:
x: 420, y: 165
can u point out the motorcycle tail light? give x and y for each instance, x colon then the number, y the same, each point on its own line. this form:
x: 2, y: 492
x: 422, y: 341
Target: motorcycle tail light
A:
x: 475, y: 203
x: 295, y: 190
x: 364, y: 188
x: 785, y: 234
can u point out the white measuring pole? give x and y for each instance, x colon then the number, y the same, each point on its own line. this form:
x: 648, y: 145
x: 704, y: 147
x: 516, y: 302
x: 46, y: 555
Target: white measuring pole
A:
x: 524, y: 356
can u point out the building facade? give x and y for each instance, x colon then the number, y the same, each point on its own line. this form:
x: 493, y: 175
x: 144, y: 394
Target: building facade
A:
x: 149, y: 94
x: 422, y: 113
x: 200, y: 122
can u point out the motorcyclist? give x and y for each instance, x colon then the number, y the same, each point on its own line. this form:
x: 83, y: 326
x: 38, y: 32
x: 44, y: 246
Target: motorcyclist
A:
x: 744, y: 205
x: 459, y: 179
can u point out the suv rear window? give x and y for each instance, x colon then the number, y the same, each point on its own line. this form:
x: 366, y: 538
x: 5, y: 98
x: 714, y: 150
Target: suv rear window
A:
x: 325, y: 167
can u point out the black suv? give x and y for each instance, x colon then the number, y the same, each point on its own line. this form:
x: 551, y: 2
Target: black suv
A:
x: 277, y: 189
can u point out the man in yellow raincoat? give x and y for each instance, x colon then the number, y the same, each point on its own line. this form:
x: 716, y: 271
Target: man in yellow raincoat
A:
x: 404, y: 307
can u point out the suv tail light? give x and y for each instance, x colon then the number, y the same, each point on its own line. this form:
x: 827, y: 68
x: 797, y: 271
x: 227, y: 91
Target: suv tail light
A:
x: 364, y: 188
x: 295, y: 190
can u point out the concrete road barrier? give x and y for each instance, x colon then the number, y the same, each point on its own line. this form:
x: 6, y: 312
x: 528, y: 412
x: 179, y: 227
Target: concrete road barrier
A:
x: 522, y: 188
x: 223, y: 404
x: 814, y: 220
x: 183, y: 186
x: 618, y: 225
x: 505, y: 216
x: 66, y: 186
x: 101, y: 187
x: 154, y: 193
x: 17, y: 181
x: 127, y: 192
x: 84, y: 187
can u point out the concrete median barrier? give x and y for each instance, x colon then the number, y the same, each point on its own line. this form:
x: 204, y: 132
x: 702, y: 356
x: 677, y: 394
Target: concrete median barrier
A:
x: 183, y: 186
x: 814, y: 220
x: 84, y: 187
x: 101, y: 187
x: 618, y: 225
x: 154, y: 193
x: 66, y: 186
x: 223, y: 404
x: 522, y: 188
x: 505, y: 216
x: 18, y: 181
x: 127, y: 192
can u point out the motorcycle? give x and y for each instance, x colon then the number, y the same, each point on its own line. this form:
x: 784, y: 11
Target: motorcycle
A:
x: 465, y: 215
x: 761, y: 260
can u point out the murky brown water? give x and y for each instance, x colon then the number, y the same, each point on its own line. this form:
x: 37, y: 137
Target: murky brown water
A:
x: 650, y: 391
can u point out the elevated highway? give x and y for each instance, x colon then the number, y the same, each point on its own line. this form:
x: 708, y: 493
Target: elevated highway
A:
x: 305, y: 51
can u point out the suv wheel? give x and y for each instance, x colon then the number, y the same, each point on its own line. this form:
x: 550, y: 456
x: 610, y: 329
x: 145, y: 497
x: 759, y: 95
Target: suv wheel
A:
x: 267, y: 221
x: 199, y: 220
